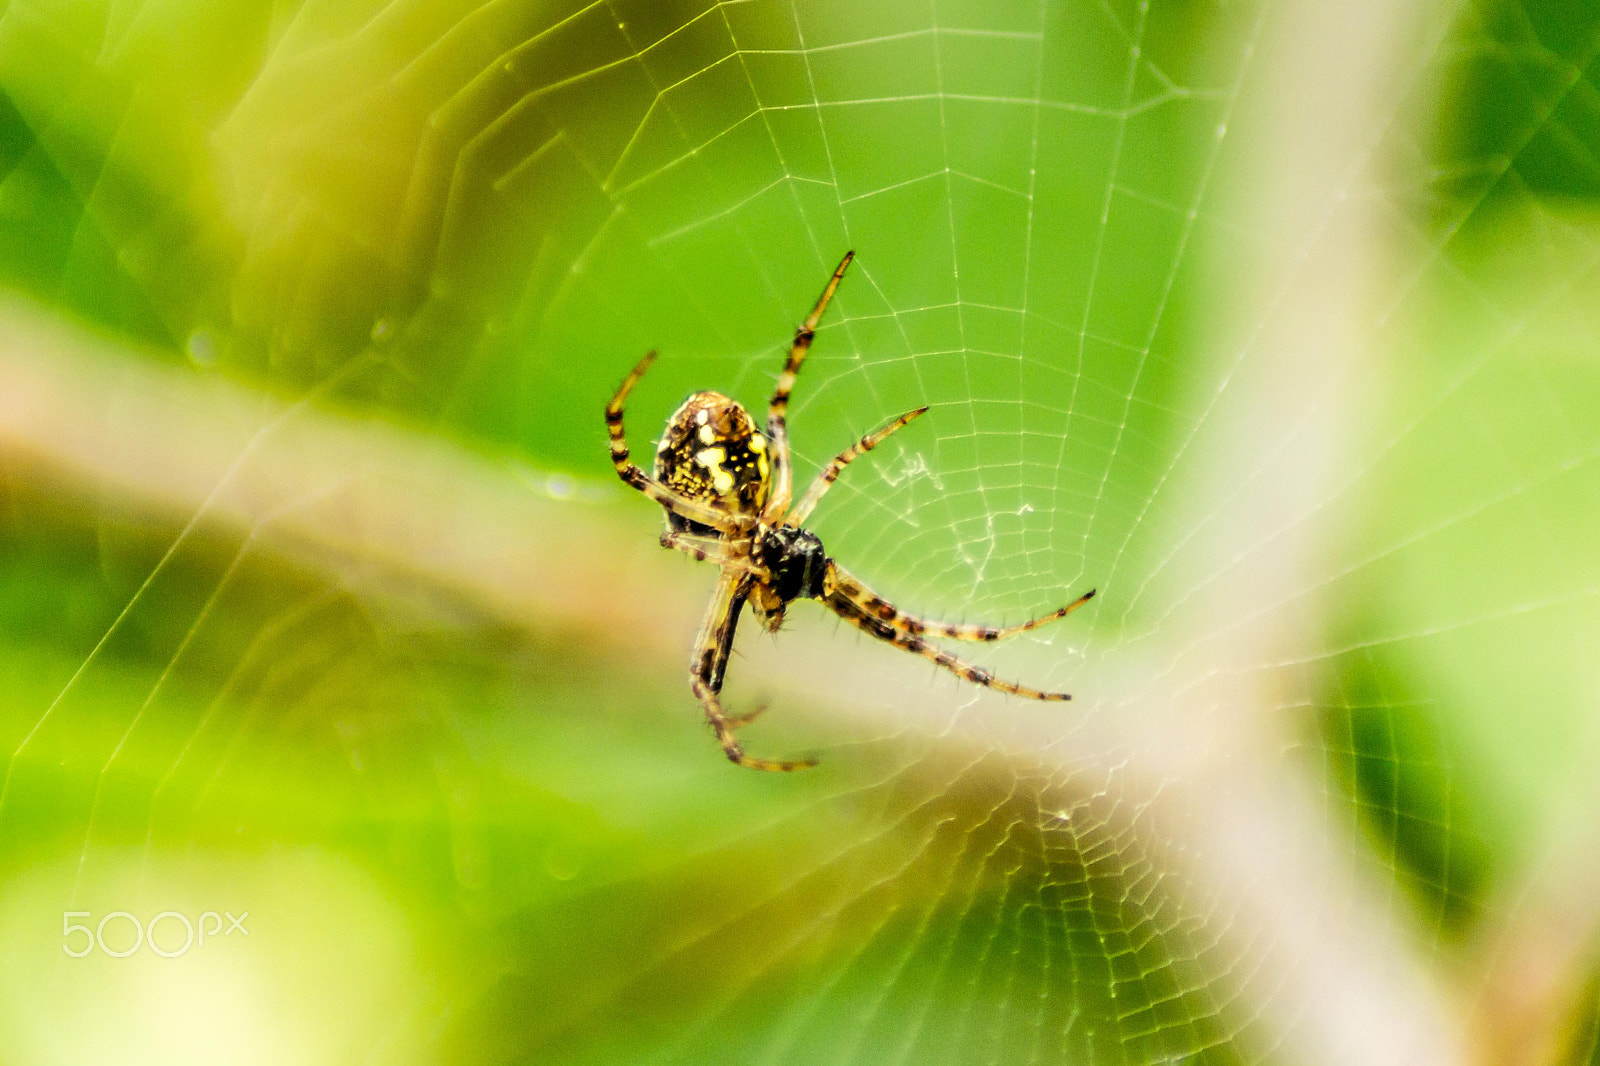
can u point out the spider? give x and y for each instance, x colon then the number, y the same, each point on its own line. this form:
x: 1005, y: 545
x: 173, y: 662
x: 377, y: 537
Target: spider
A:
x: 725, y: 486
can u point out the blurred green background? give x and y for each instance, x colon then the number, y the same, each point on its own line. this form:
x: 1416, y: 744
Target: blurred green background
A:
x: 466, y: 840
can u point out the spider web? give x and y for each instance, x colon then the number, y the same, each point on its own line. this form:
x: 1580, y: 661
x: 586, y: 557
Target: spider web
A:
x: 1274, y: 327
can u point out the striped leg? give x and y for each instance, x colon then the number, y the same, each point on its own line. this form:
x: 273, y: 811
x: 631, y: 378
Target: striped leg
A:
x: 847, y: 586
x: 636, y: 478
x: 698, y: 546
x: 778, y: 409
x: 831, y: 472
x: 857, y: 617
x: 710, y: 661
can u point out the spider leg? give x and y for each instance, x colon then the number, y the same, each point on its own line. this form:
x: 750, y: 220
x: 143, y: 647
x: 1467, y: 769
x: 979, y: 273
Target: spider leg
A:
x: 847, y: 586
x: 857, y: 616
x: 710, y: 661
x: 737, y: 720
x: 831, y: 472
x: 699, y: 546
x: 715, y: 549
x: 638, y: 479
x: 778, y: 409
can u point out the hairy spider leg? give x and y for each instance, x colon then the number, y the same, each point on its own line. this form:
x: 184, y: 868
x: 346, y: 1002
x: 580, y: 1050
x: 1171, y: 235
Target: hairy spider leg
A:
x: 710, y: 661
x: 636, y: 478
x: 716, y: 549
x: 830, y: 473
x: 857, y: 616
x: 849, y: 586
x: 699, y: 546
x: 778, y: 409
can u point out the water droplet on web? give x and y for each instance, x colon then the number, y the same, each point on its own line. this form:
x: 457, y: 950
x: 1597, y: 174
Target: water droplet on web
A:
x: 382, y: 330
x: 202, y: 348
x: 558, y: 486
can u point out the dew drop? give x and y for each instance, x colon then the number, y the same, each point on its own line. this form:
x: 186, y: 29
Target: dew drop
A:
x: 202, y: 348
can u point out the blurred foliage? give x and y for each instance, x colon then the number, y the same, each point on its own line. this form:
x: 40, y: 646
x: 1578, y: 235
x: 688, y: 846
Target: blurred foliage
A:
x: 1389, y: 751
x: 559, y: 849
x: 1523, y: 100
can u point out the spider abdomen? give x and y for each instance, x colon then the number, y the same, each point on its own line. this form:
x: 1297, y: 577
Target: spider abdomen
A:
x: 713, y: 453
x: 796, y: 560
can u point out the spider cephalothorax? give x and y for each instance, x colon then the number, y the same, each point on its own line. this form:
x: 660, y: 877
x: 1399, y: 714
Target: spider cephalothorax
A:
x: 725, y: 486
x: 798, y: 567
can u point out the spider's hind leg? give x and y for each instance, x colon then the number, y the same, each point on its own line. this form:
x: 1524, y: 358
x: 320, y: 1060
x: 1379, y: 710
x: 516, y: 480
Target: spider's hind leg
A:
x: 857, y: 616
x: 847, y: 586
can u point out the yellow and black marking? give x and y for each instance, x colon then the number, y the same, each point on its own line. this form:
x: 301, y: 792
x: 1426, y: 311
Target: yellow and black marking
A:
x: 711, y: 452
x: 702, y: 516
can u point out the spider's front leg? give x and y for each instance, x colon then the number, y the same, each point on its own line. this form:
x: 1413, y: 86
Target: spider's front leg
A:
x: 778, y: 408
x: 710, y: 661
x: 831, y: 472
